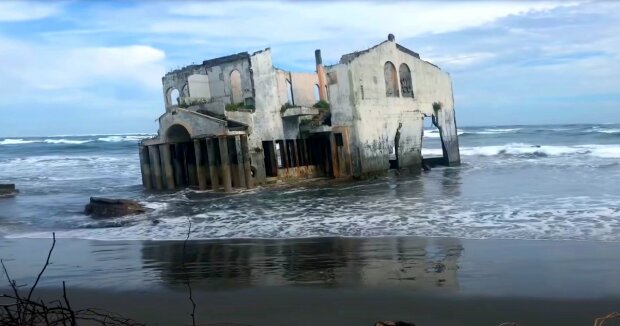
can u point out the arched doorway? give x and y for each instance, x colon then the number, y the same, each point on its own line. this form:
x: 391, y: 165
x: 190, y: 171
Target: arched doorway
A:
x: 183, y: 155
x: 177, y: 134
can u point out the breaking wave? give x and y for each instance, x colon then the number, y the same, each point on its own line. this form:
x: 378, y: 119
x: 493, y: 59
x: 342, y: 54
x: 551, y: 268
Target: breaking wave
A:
x: 434, y: 133
x: 79, y: 141
x: 529, y: 150
x: 16, y: 141
x: 529, y: 218
x: 602, y: 151
x: 66, y: 141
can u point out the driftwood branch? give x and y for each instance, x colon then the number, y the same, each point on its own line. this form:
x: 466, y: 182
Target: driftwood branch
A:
x: 24, y: 311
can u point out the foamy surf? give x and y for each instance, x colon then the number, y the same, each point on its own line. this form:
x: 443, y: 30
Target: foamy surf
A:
x: 520, y: 149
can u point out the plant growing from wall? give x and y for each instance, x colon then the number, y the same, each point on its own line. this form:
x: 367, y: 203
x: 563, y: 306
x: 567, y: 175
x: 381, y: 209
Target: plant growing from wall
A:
x: 437, y: 106
x: 321, y: 105
x: 185, y: 103
x: 239, y: 107
x: 286, y: 106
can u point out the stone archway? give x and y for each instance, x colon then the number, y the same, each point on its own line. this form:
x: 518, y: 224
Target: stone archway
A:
x: 178, y: 134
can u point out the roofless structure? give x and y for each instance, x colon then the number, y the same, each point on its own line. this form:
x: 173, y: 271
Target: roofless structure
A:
x: 237, y: 121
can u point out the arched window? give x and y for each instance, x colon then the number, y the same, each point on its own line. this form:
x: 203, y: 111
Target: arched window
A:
x: 172, y: 96
x: 235, y: 86
x: 391, y: 80
x: 317, y: 96
x: 406, y: 86
x: 289, y: 92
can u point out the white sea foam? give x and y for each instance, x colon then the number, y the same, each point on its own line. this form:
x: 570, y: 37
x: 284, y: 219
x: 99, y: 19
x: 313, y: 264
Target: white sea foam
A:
x: 580, y: 218
x: 16, y: 141
x: 434, y: 133
x: 121, y: 138
x: 608, y: 131
x: 603, y: 151
x: 66, y: 141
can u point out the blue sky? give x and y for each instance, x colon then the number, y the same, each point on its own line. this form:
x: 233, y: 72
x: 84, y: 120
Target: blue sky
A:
x: 78, y: 67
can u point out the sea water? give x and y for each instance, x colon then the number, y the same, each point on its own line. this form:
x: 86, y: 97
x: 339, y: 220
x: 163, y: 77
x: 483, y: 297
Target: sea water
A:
x: 558, y: 182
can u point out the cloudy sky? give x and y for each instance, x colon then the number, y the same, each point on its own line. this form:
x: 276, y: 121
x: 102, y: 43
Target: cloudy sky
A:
x: 79, y: 67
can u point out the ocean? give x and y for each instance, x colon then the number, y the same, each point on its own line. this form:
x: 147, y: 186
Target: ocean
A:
x: 553, y: 182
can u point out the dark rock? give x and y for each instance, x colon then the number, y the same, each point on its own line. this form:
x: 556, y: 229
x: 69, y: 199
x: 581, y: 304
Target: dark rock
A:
x: 106, y: 207
x: 7, y: 190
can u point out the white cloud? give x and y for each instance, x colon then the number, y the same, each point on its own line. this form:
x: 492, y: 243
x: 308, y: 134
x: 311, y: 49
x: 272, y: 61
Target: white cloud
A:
x: 14, y: 11
x: 29, y: 67
x: 460, y: 60
x: 257, y: 24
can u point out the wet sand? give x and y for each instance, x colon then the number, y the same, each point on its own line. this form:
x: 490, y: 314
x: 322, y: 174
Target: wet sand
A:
x: 332, y: 281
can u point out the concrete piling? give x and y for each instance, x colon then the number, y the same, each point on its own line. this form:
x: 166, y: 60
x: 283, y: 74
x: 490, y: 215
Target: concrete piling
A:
x: 190, y: 161
x: 239, y: 162
x: 179, y: 169
x: 225, y: 164
x: 155, y: 167
x: 245, y: 154
x: 145, y: 168
x: 201, y: 165
x: 166, y: 164
x: 212, y: 164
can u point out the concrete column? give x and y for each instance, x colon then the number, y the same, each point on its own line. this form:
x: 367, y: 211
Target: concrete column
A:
x: 178, y: 164
x: 166, y: 164
x: 239, y: 166
x: 247, y: 168
x: 190, y: 161
x: 201, y: 165
x: 234, y: 163
x: 225, y: 164
x: 295, y: 154
x: 211, y: 155
x: 334, y: 152
x: 347, y: 152
x: 145, y: 168
x: 156, y: 167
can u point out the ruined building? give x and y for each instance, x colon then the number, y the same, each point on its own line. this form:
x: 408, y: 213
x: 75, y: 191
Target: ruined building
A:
x: 237, y: 121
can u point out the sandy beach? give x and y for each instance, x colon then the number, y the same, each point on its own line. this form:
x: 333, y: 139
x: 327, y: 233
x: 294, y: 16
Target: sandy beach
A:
x: 331, y: 281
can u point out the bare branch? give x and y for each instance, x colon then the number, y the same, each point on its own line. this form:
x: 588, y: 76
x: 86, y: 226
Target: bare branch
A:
x: 47, y: 262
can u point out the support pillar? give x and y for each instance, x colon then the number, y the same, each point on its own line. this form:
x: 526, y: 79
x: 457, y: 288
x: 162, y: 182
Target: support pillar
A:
x: 247, y: 168
x: 201, y: 165
x: 211, y: 155
x: 234, y: 163
x: 225, y: 164
x: 166, y: 164
x: 145, y: 168
x: 239, y: 170
x: 156, y: 167
x: 177, y: 162
x: 334, y: 152
x: 190, y: 160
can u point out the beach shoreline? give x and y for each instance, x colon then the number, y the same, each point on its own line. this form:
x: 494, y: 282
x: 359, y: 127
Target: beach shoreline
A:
x: 430, y: 281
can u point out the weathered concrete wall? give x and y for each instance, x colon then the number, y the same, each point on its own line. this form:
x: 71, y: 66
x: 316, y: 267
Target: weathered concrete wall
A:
x: 376, y: 128
x: 377, y: 118
x: 211, y: 79
x: 303, y: 88
x: 197, y: 125
x: 199, y: 86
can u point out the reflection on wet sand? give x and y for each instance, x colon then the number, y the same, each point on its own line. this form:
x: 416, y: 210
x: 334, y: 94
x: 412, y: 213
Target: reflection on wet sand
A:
x: 329, y: 262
